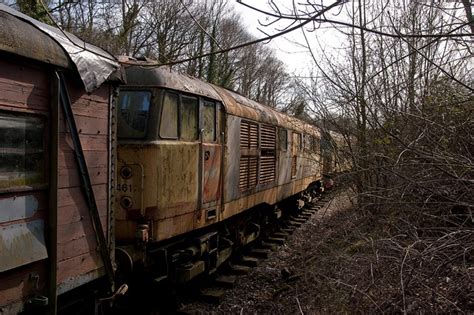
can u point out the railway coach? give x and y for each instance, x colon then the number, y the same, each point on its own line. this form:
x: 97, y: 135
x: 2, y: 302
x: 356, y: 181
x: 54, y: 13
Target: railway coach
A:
x: 56, y: 163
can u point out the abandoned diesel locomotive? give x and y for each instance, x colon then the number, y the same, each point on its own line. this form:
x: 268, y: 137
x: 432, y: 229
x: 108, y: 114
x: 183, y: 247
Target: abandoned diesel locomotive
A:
x: 196, y: 159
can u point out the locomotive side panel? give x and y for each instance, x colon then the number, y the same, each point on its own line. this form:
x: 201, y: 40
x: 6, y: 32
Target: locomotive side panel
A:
x: 245, y: 184
x: 311, y: 157
x: 231, y: 158
x: 284, y: 159
x: 178, y: 173
x: 165, y: 191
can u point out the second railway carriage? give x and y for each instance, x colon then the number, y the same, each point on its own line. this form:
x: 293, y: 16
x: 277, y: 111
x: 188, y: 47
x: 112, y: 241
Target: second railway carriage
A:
x: 193, y: 157
x: 48, y: 240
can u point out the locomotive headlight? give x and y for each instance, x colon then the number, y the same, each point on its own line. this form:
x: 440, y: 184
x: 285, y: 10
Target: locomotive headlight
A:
x: 126, y: 172
x: 126, y: 202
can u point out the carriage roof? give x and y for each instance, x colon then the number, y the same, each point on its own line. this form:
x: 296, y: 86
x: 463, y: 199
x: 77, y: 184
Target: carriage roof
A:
x: 24, y: 36
x: 141, y: 73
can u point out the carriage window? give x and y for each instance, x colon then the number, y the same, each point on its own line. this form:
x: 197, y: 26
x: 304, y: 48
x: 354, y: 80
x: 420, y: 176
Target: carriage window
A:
x: 189, y: 118
x: 297, y: 141
x: 283, y: 139
x: 308, y: 142
x: 315, y: 144
x: 169, y: 116
x: 209, y: 120
x: 134, y: 107
x: 22, y: 153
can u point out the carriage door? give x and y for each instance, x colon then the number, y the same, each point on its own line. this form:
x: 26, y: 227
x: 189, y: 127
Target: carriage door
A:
x: 211, y: 159
x: 295, y: 146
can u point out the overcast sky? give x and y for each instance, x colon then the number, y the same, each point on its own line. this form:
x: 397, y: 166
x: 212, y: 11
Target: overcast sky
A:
x: 287, y: 47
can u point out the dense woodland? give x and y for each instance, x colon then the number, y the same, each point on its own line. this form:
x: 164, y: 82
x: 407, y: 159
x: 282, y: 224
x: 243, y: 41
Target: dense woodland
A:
x: 400, y: 91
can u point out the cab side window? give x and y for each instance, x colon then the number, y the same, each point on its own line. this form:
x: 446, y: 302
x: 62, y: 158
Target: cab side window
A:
x: 183, y: 115
x: 209, y: 120
x: 169, y: 116
x: 189, y: 118
x: 283, y: 137
x: 297, y: 143
x: 133, y: 110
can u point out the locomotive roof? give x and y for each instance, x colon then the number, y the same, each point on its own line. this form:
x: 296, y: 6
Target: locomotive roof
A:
x: 139, y: 74
x: 24, y: 36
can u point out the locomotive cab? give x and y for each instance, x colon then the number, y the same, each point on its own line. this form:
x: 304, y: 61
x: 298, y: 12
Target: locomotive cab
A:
x: 169, y: 174
x: 169, y: 162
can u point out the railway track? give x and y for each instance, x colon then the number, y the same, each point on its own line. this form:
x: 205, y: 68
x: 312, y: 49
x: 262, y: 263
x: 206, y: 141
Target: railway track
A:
x: 213, y: 289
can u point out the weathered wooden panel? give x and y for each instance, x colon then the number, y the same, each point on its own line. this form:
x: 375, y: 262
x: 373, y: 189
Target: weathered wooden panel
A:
x: 79, y: 98
x: 77, y: 212
x: 17, y: 284
x: 24, y: 88
x: 77, y: 248
x: 77, y: 230
x: 71, y: 179
x: 88, y: 125
x: 89, y: 108
x: 21, y: 244
x: 72, y: 196
x: 89, y: 143
x: 94, y: 159
x: 78, y: 265
x: 19, y: 206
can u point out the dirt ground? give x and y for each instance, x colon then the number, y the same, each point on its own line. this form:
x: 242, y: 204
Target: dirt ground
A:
x: 340, y: 261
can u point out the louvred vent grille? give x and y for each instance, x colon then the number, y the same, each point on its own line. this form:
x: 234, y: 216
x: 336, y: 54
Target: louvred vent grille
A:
x: 267, y: 169
x: 248, y: 135
x: 248, y: 172
x: 268, y: 137
x: 267, y: 159
x: 257, y: 163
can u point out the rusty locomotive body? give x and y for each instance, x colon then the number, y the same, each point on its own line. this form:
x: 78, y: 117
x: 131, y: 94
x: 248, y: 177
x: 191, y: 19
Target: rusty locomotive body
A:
x: 169, y: 175
x: 194, y: 157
